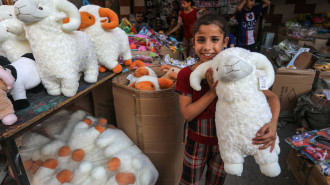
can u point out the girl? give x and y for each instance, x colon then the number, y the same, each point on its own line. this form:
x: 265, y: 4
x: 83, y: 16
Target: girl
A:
x: 187, y: 16
x: 198, y: 108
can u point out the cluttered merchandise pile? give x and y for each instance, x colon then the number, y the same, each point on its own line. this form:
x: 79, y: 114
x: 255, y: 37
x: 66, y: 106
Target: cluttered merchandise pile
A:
x: 301, y: 58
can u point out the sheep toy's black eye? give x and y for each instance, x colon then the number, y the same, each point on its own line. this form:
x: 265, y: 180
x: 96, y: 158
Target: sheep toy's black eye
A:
x: 40, y: 8
x: 90, y: 17
x: 10, y: 15
x: 217, y: 69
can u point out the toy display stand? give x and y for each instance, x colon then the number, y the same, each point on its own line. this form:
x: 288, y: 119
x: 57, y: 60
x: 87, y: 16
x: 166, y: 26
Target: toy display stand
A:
x: 41, y: 107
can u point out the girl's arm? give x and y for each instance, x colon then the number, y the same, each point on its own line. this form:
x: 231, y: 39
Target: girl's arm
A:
x: 240, y: 5
x: 176, y: 27
x: 265, y: 3
x: 190, y: 109
x: 266, y: 136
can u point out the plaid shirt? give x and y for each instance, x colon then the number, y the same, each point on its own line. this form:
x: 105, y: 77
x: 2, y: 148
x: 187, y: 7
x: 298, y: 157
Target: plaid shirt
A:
x: 202, y: 128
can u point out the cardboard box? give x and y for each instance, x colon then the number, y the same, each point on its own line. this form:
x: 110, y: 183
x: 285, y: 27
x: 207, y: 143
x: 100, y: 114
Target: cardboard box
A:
x: 290, y: 84
x: 165, y: 50
x: 317, y: 44
x: 305, y: 171
x: 152, y: 120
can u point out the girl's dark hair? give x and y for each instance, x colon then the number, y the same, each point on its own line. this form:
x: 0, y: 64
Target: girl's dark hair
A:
x: 211, y: 18
x: 192, y: 3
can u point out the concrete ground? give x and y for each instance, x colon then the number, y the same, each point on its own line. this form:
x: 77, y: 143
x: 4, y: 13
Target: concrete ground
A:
x: 251, y: 173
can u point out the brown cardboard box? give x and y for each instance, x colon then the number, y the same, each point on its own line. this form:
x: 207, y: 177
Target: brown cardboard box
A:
x: 290, y: 84
x: 317, y: 44
x: 103, y: 102
x: 152, y: 120
x: 165, y: 50
x: 305, y: 171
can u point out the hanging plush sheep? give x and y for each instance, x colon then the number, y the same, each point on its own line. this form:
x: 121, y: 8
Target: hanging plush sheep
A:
x: 242, y: 108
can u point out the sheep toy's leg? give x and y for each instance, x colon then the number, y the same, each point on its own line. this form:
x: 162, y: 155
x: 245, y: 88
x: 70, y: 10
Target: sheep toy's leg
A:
x: 127, y: 57
x: 268, y: 162
x: 53, y: 88
x: 233, y: 161
x: 69, y: 86
x: 116, y: 68
x: 91, y: 72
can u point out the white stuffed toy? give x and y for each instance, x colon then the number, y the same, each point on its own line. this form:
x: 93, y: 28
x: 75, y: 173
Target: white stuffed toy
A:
x: 60, y: 52
x: 242, y: 108
x: 12, y: 39
x: 151, y: 83
x: 109, y: 40
x: 6, y: 12
x: 26, y: 77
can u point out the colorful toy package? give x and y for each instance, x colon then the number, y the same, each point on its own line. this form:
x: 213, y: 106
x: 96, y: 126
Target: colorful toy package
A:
x: 300, y: 141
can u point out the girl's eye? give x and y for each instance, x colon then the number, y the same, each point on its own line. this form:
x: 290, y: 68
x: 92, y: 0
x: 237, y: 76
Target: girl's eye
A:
x: 200, y: 40
x: 217, y: 69
x: 215, y: 40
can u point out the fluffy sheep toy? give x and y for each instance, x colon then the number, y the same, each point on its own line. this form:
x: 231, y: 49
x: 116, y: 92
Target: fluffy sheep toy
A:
x: 242, y: 108
x: 60, y: 52
x: 6, y: 12
x: 108, y: 39
x: 12, y: 39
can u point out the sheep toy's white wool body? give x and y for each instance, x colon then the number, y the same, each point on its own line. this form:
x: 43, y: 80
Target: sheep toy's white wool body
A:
x: 242, y: 109
x: 109, y: 44
x: 61, y: 53
x: 13, y: 42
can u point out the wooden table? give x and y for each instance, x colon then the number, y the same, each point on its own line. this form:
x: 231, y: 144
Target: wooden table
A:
x: 41, y: 107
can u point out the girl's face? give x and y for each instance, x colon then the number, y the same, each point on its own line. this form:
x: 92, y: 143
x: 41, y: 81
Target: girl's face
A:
x: 249, y: 4
x: 173, y: 22
x: 209, y: 41
x: 185, y: 4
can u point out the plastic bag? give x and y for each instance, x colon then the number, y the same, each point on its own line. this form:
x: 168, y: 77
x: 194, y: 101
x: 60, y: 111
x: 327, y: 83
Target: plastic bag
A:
x: 311, y: 116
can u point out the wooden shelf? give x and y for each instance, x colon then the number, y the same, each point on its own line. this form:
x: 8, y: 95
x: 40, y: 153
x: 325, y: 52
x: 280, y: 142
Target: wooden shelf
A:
x: 42, y: 105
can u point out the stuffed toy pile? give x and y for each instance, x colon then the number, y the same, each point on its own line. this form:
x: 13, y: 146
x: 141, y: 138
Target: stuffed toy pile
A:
x: 242, y: 108
x: 85, y: 151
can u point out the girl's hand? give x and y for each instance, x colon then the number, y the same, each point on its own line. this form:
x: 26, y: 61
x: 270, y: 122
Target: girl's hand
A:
x: 210, y: 81
x: 266, y: 136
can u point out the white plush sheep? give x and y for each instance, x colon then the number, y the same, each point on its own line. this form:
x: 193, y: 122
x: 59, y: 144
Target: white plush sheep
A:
x: 12, y: 39
x: 6, y: 12
x: 242, y: 108
x: 60, y: 52
x: 108, y: 39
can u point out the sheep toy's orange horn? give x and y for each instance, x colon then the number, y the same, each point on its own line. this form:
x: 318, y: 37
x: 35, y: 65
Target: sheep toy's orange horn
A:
x: 163, y: 67
x: 111, y: 15
x: 165, y: 83
x: 138, y: 63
